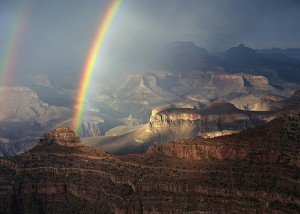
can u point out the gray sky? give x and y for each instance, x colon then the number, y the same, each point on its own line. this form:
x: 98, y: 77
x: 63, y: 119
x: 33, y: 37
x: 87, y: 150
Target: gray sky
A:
x: 58, y: 33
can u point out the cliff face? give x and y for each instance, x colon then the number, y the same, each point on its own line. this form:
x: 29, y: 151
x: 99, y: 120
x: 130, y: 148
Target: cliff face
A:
x: 92, y: 126
x: 21, y: 104
x: 242, y: 80
x: 220, y: 118
x: 24, y: 118
x: 253, y: 171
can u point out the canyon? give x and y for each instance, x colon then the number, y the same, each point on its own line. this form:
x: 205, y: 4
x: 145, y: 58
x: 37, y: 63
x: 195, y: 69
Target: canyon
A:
x: 253, y: 171
x: 140, y: 93
x: 149, y: 107
x: 182, y: 76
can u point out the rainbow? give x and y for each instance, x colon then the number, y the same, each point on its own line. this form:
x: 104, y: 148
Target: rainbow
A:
x: 92, y: 60
x: 10, y: 52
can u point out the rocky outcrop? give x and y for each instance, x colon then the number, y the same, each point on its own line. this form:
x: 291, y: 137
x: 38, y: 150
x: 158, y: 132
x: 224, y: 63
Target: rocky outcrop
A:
x: 242, y: 80
x: 253, y: 171
x: 241, y: 147
x: 61, y: 135
x: 220, y: 118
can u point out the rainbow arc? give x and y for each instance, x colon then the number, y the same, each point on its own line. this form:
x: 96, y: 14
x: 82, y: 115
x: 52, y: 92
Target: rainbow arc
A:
x: 92, y: 59
x: 15, y: 34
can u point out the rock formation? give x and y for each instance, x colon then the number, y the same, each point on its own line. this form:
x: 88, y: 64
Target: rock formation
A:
x: 24, y: 117
x: 218, y: 117
x: 140, y: 93
x: 253, y: 171
x: 61, y: 135
x: 170, y: 123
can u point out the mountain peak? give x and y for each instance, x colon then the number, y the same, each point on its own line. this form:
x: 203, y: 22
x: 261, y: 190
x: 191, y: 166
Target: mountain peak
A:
x: 241, y: 49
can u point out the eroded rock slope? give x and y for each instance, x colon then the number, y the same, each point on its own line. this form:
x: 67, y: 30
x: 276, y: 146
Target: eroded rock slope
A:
x: 253, y: 171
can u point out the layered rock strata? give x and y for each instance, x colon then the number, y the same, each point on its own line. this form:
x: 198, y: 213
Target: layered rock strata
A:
x: 253, y: 171
x: 220, y: 118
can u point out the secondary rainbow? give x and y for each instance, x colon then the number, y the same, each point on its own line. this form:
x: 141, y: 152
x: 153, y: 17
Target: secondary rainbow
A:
x: 15, y: 34
x: 92, y: 60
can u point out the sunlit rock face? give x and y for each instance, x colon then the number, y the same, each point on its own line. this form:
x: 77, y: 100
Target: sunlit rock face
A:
x: 221, y: 118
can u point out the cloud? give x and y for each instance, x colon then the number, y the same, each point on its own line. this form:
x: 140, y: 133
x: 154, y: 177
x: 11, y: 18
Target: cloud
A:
x: 59, y: 33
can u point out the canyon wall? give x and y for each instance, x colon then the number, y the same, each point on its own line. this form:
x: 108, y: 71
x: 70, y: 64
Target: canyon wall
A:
x: 219, y: 119
x: 253, y: 171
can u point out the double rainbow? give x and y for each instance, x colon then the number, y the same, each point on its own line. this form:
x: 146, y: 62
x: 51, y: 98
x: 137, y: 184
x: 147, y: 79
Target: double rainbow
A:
x: 92, y: 60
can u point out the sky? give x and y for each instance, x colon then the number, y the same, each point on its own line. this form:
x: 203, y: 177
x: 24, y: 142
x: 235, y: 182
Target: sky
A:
x: 57, y: 34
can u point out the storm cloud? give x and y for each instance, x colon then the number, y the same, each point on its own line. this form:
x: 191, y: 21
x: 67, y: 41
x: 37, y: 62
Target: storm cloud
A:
x: 58, y: 33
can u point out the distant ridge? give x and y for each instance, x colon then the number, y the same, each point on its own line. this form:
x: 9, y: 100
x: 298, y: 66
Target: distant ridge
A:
x: 290, y: 52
